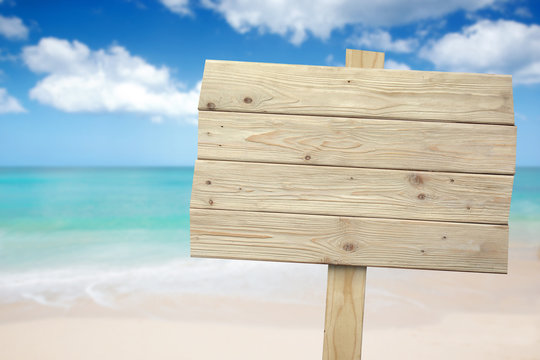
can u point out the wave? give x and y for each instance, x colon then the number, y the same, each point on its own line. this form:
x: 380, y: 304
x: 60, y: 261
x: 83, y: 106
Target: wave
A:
x: 104, y: 285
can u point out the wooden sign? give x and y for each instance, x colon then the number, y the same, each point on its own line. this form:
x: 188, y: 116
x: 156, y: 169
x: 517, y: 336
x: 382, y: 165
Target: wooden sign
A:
x: 353, y: 166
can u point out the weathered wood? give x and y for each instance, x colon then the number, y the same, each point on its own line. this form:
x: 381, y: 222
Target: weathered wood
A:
x: 353, y: 92
x: 345, y: 293
x: 344, y: 318
x: 364, y: 59
x: 348, y: 240
x: 390, y: 144
x: 353, y: 168
x: 352, y: 191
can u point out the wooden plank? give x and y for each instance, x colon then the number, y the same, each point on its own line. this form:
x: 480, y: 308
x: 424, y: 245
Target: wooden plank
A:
x: 390, y: 144
x: 352, y: 191
x: 348, y: 240
x: 371, y: 93
x: 344, y: 318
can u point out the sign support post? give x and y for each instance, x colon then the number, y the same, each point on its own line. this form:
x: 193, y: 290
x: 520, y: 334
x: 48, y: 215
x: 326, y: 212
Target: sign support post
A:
x: 345, y: 292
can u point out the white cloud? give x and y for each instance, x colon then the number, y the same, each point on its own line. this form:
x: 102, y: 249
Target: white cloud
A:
x: 13, y: 28
x: 8, y: 104
x: 501, y: 46
x: 331, y: 61
x: 529, y: 74
x: 295, y: 19
x: 523, y: 12
x: 6, y: 56
x: 156, y: 119
x: 106, y: 80
x: 382, y: 40
x: 180, y: 7
x: 396, y: 65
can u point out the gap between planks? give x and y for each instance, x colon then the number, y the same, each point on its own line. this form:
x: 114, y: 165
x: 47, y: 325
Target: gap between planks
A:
x: 357, y: 167
x: 353, y: 216
x: 442, y: 121
x: 352, y: 142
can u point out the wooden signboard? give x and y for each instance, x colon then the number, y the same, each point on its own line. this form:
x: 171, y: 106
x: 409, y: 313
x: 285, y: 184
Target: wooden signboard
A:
x: 353, y: 167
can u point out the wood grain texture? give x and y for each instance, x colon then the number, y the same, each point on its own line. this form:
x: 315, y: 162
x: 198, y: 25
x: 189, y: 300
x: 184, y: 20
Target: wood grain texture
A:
x: 346, y: 288
x: 390, y: 144
x: 353, y: 92
x: 364, y: 59
x: 344, y: 312
x: 348, y: 240
x: 351, y: 191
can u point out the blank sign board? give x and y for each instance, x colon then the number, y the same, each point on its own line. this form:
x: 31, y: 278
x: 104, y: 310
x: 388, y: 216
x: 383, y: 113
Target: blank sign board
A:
x: 353, y: 166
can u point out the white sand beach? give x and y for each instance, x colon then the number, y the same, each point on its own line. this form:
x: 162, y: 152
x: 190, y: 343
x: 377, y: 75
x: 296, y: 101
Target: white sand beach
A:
x: 409, y: 315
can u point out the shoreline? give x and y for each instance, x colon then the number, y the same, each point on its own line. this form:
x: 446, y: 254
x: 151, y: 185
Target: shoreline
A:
x: 409, y: 314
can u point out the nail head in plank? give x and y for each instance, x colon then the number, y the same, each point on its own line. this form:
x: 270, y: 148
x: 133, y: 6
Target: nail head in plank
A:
x: 345, y: 294
x: 348, y: 241
x: 352, y: 191
x: 372, y: 143
x: 355, y: 92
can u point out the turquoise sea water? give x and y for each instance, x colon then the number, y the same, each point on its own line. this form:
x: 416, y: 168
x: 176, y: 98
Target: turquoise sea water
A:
x: 51, y: 216
x: 65, y: 233
x: 526, y: 195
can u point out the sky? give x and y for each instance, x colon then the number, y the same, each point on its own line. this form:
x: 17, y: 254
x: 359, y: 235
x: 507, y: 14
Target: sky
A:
x: 116, y: 82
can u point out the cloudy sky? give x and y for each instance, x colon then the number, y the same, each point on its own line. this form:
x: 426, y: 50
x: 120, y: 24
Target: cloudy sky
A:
x: 91, y: 83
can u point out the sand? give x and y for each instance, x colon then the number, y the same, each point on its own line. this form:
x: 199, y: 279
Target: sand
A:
x: 458, y: 336
x: 409, y: 315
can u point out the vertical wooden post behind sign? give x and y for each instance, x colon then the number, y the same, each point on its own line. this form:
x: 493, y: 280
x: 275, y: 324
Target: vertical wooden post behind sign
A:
x: 347, y: 284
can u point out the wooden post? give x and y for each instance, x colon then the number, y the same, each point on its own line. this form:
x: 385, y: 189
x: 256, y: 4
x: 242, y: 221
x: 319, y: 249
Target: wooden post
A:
x: 364, y: 59
x: 347, y: 284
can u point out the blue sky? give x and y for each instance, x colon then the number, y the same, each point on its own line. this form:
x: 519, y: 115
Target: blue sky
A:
x: 115, y: 83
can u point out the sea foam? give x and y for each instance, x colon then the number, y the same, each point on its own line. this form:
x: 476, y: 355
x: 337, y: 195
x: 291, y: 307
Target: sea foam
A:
x: 61, y: 287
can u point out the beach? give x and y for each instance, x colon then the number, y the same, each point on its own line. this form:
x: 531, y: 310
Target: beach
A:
x: 116, y: 282
x: 409, y: 315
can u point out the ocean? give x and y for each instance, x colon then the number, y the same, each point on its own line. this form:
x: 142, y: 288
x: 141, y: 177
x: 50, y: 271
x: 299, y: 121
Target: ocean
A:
x: 101, y: 233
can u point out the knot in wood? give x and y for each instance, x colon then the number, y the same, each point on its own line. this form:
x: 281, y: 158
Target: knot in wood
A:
x: 211, y: 106
x: 421, y: 196
x: 208, y: 182
x: 307, y: 157
x: 211, y: 202
x: 248, y: 100
x: 348, y: 247
x: 415, y: 179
